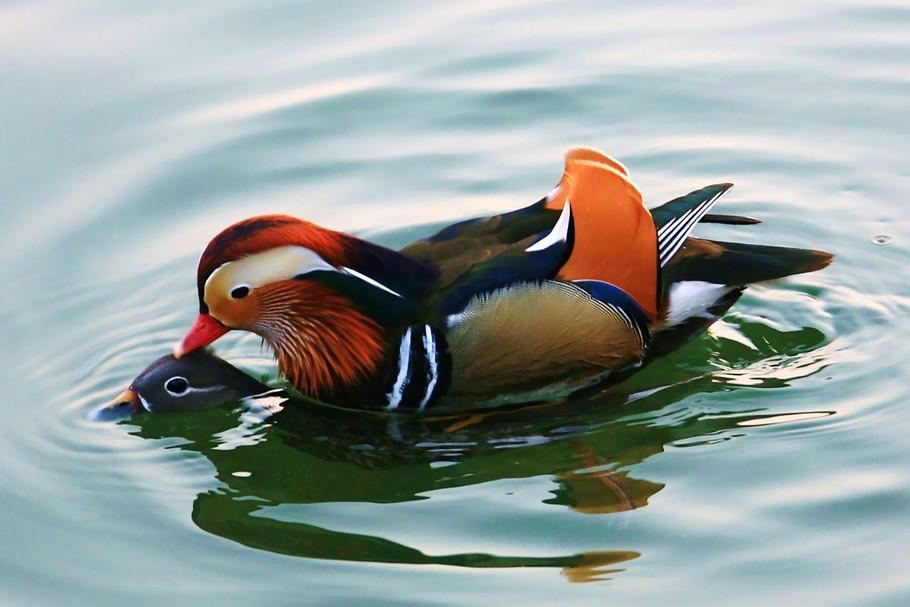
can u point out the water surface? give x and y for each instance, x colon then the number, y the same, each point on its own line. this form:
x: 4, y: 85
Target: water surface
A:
x: 766, y: 462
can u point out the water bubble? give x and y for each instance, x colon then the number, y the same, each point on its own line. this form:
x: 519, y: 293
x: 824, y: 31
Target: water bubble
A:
x: 881, y: 239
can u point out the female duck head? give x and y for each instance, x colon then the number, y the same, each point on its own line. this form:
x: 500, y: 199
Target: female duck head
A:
x: 199, y: 380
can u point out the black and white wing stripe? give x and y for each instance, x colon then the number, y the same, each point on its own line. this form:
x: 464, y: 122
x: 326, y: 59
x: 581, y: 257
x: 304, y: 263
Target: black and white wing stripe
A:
x: 421, y: 371
x: 672, y: 235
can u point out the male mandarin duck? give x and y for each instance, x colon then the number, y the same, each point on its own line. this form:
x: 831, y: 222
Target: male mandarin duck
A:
x: 576, y: 290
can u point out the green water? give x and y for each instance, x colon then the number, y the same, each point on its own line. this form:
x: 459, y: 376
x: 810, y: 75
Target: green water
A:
x: 767, y: 463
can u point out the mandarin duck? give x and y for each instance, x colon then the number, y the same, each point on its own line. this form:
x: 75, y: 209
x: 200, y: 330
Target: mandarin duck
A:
x: 199, y: 380
x: 577, y: 290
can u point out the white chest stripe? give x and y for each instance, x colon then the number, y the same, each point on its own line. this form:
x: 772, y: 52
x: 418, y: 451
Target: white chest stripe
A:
x: 404, y: 362
x: 429, y: 345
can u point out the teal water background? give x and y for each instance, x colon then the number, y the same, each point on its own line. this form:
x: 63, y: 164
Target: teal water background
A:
x: 772, y: 467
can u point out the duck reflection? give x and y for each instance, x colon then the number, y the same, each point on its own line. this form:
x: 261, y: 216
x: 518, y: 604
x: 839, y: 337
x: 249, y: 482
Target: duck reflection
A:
x: 309, y: 454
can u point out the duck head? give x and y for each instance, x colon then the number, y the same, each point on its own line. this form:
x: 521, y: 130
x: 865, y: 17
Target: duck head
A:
x: 199, y: 380
x: 324, y: 301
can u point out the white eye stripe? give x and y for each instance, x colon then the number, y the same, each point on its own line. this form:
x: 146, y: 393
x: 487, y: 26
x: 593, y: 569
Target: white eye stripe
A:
x: 277, y: 264
x: 191, y: 390
x: 273, y: 265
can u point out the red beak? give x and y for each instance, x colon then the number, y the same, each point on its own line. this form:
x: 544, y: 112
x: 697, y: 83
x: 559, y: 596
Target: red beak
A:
x: 203, y: 332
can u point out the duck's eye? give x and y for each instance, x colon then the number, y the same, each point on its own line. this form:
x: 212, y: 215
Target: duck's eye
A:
x: 240, y: 292
x: 176, y: 386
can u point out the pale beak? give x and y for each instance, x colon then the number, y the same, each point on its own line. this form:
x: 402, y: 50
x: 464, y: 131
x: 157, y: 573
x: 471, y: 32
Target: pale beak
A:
x: 203, y: 332
x: 122, y: 406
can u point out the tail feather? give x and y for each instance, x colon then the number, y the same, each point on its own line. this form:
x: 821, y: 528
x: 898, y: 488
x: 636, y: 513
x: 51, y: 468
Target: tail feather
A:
x: 733, y: 263
x: 700, y: 279
x: 733, y: 220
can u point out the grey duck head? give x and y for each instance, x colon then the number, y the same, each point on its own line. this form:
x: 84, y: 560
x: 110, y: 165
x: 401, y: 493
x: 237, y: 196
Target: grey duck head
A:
x: 199, y: 380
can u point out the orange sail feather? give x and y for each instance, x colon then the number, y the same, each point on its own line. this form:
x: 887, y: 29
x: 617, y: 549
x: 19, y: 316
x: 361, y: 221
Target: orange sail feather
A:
x: 615, y: 236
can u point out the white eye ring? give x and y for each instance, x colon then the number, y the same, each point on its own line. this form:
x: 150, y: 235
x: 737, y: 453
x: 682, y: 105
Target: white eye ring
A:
x: 186, y: 387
